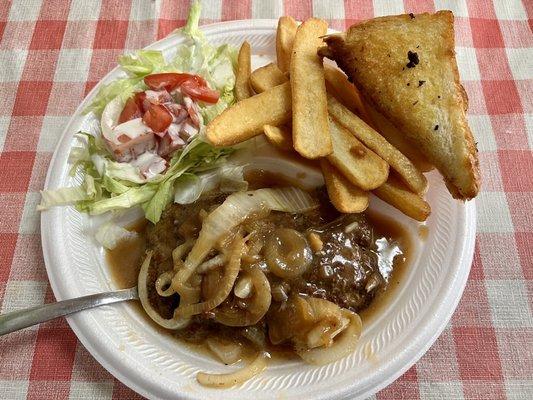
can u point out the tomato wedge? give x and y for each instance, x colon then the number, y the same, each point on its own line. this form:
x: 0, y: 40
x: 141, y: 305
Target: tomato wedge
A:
x: 168, y: 80
x: 139, y: 99
x: 196, y: 91
x: 131, y: 110
x: 157, y: 118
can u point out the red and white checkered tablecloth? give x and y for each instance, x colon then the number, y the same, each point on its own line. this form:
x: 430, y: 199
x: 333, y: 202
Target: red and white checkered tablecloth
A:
x: 53, y: 52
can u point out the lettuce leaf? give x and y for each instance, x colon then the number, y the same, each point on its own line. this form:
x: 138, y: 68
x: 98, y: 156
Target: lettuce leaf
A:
x: 88, y: 190
x: 191, y: 27
x: 109, y: 185
x: 115, y: 186
x: 128, y: 199
x: 162, y: 197
x: 227, y: 178
x: 120, y: 87
x: 142, y: 63
x: 216, y: 64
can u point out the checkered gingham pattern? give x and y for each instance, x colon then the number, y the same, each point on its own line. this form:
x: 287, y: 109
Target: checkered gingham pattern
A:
x: 53, y: 52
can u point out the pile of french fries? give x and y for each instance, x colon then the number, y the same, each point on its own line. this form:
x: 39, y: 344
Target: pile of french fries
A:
x: 310, y: 109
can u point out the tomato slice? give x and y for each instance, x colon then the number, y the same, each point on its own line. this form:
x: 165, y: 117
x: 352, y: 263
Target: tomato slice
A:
x: 131, y: 110
x: 199, y: 80
x: 167, y: 80
x: 157, y: 118
x: 193, y: 89
x: 139, y: 99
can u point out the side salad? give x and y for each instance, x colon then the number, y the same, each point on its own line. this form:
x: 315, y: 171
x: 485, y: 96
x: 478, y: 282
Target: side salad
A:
x: 151, y: 149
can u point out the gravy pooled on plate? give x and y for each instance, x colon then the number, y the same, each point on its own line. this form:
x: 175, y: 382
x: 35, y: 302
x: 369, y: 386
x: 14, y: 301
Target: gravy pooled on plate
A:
x: 318, y: 262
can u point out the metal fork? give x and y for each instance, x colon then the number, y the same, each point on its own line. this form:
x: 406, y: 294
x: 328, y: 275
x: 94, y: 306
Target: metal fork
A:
x: 21, y: 319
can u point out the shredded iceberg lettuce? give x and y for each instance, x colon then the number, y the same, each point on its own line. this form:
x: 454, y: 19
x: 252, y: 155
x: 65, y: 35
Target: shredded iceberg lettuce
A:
x: 227, y: 178
x: 114, y: 186
x: 142, y: 63
x: 109, y: 185
x: 215, y: 64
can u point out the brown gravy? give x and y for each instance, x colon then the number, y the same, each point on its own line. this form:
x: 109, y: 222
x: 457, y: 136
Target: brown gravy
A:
x: 423, y: 232
x: 388, y: 227
x: 260, y: 178
x: 124, y: 262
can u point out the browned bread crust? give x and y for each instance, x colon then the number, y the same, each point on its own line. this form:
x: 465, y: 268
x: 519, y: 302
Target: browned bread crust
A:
x: 405, y: 65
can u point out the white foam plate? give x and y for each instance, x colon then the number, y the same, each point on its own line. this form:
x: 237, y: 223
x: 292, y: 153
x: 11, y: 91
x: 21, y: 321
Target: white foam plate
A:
x: 159, y: 367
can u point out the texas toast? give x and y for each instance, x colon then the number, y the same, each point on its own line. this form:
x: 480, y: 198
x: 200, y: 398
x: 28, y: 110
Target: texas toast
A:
x: 405, y: 65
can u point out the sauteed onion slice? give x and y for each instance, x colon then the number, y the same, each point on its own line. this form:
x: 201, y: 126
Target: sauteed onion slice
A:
x: 234, y: 378
x: 256, y: 305
x: 172, y: 323
x: 226, y: 284
x: 235, y: 209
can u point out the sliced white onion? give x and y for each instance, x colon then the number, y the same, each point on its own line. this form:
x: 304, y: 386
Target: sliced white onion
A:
x: 243, y: 287
x: 254, y: 307
x: 149, y: 164
x: 179, y: 252
x: 235, y: 209
x: 324, y: 333
x: 212, y: 263
x: 226, y: 284
x: 287, y: 253
x: 227, y: 351
x: 255, y: 335
x: 188, y: 131
x: 193, y: 110
x: 158, y: 96
x: 343, y: 345
x: 234, y: 378
x: 174, y: 133
x: 132, y: 129
x: 109, y: 122
x: 142, y: 288
x: 279, y: 293
x: 177, y: 95
x: 165, y: 279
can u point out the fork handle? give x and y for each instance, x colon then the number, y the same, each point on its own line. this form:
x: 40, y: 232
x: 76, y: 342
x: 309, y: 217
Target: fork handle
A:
x: 21, y: 319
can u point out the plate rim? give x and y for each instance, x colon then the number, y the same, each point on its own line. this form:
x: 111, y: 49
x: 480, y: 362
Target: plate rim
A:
x: 454, y: 289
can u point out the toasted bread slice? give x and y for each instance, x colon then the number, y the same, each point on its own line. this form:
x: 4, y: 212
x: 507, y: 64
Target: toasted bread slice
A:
x: 405, y: 65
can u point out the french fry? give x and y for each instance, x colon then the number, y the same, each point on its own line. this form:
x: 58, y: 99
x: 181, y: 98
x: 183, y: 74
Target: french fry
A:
x: 398, y: 196
x: 360, y: 165
x: 281, y: 137
x: 244, y: 68
x: 310, y: 129
x: 344, y: 196
x: 414, y: 179
x: 338, y: 85
x: 246, y: 118
x: 397, y: 139
x: 267, y: 77
x: 284, y: 39
x: 372, y: 139
x: 367, y: 171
